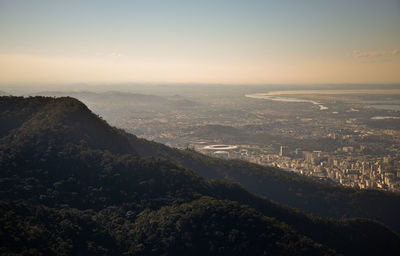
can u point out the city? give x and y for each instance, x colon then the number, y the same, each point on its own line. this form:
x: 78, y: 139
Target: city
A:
x: 199, y: 128
x: 353, y: 140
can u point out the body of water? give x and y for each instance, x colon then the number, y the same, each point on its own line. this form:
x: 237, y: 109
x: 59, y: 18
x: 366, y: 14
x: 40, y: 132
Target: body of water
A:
x: 386, y: 107
x: 384, y: 117
x: 266, y: 96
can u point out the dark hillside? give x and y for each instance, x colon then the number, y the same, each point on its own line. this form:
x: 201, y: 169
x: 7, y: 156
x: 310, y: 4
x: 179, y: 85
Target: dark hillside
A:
x: 160, y: 231
x: 72, y: 185
x: 47, y: 122
x: 284, y: 187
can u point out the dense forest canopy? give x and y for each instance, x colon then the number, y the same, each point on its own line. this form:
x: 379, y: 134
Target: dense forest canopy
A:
x: 70, y: 184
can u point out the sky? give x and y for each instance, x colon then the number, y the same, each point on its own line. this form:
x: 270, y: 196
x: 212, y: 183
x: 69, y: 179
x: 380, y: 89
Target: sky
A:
x: 199, y: 41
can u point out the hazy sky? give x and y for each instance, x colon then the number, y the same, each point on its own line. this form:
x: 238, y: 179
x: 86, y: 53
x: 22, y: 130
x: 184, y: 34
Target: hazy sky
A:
x: 219, y: 41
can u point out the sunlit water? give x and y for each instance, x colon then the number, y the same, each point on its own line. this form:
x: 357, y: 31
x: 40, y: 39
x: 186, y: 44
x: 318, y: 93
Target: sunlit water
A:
x: 265, y: 96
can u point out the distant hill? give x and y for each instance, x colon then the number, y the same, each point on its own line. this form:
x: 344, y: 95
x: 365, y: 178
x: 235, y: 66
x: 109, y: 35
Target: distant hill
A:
x: 70, y: 184
x: 110, y: 97
x: 220, y: 132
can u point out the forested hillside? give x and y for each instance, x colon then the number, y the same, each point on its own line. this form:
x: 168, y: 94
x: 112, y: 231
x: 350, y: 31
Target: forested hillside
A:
x: 307, y: 194
x: 72, y: 185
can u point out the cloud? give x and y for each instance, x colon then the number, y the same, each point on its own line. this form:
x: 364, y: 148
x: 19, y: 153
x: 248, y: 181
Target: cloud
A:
x: 375, y: 54
x: 113, y: 55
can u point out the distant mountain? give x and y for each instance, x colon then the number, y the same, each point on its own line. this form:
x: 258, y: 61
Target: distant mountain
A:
x: 64, y: 94
x: 122, y: 98
x: 110, y: 96
x: 182, y: 102
x: 219, y: 132
x: 70, y: 184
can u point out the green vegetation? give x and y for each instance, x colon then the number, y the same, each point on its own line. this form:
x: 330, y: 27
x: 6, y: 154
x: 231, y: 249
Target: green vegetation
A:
x: 287, y: 188
x: 72, y: 185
